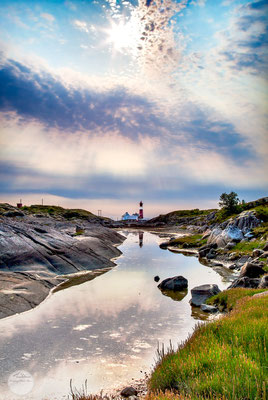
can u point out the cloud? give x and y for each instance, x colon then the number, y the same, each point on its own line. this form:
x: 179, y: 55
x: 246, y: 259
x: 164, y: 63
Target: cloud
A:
x: 48, y: 17
x: 243, y: 46
x: 68, y: 107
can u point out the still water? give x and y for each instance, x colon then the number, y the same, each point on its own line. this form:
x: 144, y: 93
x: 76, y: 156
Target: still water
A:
x: 105, y: 331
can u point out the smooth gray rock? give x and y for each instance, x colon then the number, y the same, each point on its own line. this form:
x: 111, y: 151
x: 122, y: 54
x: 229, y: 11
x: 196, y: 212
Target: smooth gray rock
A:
x: 201, y: 293
x: 175, y: 283
x: 43, y: 249
x: 209, y: 309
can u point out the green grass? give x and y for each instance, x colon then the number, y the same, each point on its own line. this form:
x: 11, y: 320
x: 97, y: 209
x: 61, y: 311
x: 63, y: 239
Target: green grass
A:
x: 261, y: 231
x: 248, y: 247
x: 57, y: 211
x: 188, y: 241
x: 225, y: 359
x: 227, y: 299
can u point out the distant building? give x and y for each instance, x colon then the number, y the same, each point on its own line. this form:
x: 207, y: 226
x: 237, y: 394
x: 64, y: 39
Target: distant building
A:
x: 128, y: 217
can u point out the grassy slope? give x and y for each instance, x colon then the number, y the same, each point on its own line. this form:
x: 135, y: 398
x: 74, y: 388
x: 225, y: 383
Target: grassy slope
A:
x: 224, y: 359
x: 55, y: 211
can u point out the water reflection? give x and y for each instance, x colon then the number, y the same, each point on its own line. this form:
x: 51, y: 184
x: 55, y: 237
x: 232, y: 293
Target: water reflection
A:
x: 105, y: 330
x: 175, y: 295
x: 140, y: 239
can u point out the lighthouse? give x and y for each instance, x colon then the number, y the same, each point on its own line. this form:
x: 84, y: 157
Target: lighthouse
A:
x: 141, y: 210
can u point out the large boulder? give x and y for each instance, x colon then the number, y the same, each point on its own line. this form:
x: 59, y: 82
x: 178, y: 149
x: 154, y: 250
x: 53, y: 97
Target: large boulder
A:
x: 175, y: 283
x: 201, y: 293
x: 251, y: 270
x: 245, y: 282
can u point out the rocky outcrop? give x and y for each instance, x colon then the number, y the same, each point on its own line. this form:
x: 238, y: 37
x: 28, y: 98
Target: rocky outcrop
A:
x: 39, y: 250
x: 234, y: 230
x: 175, y: 283
x: 201, y: 293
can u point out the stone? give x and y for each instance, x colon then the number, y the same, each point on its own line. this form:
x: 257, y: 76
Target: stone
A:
x: 208, y: 309
x: 257, y: 253
x: 175, y: 283
x: 233, y: 256
x: 212, y: 254
x: 234, y: 233
x: 230, y: 245
x: 156, y: 278
x: 263, y: 282
x: 129, y: 391
x: 265, y: 254
x: 245, y: 282
x: 251, y: 270
x: 13, y: 214
x: 201, y: 293
x: 233, y: 266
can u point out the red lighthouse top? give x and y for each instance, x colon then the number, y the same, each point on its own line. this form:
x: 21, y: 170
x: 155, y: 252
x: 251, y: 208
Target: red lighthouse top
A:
x: 141, y: 203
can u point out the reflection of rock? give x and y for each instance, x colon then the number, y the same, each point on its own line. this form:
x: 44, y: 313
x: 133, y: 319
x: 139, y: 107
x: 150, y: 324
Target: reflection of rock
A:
x: 201, y: 293
x: 176, y: 296
x: 175, y: 283
x: 198, y: 314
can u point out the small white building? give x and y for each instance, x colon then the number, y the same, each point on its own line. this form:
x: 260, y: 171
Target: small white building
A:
x: 128, y: 217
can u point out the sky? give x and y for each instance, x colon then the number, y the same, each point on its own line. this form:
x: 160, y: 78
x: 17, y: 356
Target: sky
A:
x: 105, y: 103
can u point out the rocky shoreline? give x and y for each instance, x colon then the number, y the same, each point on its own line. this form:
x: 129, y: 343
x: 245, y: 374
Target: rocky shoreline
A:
x: 38, y: 252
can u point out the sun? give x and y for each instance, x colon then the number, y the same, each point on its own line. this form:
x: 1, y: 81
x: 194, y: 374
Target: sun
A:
x: 123, y: 36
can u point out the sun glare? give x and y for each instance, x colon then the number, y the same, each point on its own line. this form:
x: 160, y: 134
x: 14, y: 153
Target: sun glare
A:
x: 123, y: 36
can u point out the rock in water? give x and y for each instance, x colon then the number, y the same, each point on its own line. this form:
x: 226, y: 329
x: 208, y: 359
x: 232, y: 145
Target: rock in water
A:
x: 175, y: 283
x: 208, y: 309
x: 201, y: 293
x: 251, y: 270
x: 156, y: 278
x: 129, y: 391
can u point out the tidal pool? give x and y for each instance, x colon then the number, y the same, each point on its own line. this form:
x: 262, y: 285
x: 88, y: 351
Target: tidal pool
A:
x: 106, y: 330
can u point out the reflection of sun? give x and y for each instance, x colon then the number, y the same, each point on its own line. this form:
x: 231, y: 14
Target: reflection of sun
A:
x: 123, y: 35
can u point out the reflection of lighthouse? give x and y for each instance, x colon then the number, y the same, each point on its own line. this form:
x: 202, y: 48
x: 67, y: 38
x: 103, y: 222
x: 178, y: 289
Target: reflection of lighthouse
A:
x: 140, y: 239
x: 141, y: 210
